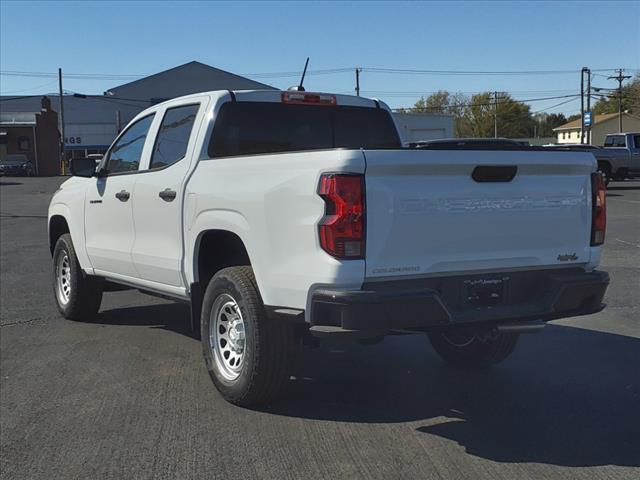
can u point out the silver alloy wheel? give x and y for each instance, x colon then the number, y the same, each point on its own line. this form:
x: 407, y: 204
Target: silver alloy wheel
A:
x: 63, y: 278
x: 227, y: 336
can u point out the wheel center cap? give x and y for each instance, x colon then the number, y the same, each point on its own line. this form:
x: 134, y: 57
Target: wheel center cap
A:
x: 236, y: 335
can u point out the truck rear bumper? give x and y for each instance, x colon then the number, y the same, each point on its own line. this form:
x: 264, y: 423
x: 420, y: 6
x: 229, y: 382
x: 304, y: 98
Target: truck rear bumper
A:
x: 485, y: 300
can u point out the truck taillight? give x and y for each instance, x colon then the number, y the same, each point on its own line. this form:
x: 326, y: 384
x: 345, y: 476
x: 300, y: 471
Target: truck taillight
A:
x: 342, y: 227
x: 599, y: 209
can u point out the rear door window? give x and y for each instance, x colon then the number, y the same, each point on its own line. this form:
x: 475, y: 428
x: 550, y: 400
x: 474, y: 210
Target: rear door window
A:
x: 173, y: 137
x: 249, y: 128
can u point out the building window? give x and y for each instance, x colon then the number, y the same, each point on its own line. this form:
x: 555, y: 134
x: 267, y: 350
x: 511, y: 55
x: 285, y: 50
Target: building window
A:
x: 24, y: 144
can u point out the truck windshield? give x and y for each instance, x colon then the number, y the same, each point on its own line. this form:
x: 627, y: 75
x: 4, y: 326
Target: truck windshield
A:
x: 249, y: 128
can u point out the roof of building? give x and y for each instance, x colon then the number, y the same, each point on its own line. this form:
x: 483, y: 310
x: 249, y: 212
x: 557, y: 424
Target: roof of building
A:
x: 575, y: 124
x: 127, y: 100
x: 192, y: 77
x: 17, y: 118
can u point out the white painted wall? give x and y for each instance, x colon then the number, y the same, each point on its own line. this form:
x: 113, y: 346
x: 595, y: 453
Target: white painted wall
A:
x: 89, y: 135
x: 600, y: 130
x: 414, y: 127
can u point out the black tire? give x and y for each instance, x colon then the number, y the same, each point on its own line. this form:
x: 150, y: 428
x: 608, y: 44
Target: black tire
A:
x: 85, y: 292
x: 473, y: 351
x: 605, y: 170
x: 263, y: 371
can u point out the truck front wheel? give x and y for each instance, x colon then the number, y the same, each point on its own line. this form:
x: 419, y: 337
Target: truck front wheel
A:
x: 78, y: 296
x: 472, y: 350
x: 245, y: 351
x: 605, y: 170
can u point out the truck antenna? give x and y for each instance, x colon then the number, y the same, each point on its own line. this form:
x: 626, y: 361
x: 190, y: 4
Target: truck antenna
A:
x: 300, y: 88
x: 304, y: 72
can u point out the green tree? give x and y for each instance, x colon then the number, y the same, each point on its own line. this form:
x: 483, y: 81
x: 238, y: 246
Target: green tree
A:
x: 514, y: 118
x: 474, y: 117
x: 443, y: 102
x: 546, y: 122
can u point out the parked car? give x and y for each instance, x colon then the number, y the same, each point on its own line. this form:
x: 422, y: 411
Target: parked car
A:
x: 620, y: 156
x: 277, y: 215
x: 571, y: 146
x: 617, y: 160
x: 16, y: 164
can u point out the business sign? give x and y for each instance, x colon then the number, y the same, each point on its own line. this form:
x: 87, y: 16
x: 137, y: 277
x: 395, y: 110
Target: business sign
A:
x: 78, y: 136
x: 586, y: 120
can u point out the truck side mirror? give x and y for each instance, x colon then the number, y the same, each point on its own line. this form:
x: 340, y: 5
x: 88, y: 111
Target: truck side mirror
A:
x: 83, y: 167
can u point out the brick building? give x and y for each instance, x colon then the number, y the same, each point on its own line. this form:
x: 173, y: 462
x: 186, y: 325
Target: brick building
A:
x: 33, y: 134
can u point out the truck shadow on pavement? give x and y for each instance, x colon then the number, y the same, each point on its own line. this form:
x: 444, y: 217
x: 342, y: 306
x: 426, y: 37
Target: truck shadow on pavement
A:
x: 566, y: 397
x: 169, y: 316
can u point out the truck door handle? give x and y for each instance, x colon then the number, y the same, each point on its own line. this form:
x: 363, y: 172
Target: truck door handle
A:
x: 123, y: 195
x: 167, y: 195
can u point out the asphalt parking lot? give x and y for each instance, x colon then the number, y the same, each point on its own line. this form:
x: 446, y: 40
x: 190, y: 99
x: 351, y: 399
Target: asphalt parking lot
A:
x: 129, y: 397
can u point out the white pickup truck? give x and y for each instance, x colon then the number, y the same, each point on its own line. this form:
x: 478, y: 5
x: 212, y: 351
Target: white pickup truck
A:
x: 278, y: 215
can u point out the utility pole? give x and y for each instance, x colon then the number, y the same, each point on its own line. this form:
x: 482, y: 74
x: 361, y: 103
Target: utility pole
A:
x: 495, y: 115
x: 589, y: 104
x: 581, y: 105
x: 62, y: 140
x: 357, y: 81
x: 620, y: 78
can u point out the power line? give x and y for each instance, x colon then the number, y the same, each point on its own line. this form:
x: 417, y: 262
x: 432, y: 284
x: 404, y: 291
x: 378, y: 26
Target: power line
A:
x: 29, y: 89
x: 402, y: 93
x: 476, y: 72
x: 329, y: 71
x: 502, y: 102
x: 296, y: 73
x: 620, y: 78
x: 554, y: 106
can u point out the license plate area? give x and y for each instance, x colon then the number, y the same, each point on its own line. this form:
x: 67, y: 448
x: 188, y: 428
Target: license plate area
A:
x: 484, y: 292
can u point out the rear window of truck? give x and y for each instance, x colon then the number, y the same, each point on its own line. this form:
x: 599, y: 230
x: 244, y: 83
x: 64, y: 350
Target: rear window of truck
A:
x: 251, y: 128
x: 614, y: 141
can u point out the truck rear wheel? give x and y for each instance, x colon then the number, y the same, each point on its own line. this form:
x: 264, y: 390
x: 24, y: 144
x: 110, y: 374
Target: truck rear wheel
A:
x: 78, y: 296
x: 472, y: 350
x: 245, y: 351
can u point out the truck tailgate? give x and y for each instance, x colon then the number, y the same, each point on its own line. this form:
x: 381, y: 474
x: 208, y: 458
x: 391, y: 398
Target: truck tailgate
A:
x: 426, y: 215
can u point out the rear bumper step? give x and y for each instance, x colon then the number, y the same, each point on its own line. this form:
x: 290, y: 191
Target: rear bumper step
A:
x: 527, y: 301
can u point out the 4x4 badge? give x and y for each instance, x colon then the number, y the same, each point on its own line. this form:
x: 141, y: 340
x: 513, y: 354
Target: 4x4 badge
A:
x: 567, y: 257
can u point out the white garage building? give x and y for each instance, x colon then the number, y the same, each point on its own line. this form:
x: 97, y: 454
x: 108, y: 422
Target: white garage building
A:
x: 415, y: 127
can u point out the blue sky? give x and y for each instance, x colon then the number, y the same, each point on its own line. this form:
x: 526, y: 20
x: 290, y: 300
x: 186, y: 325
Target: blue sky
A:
x: 127, y: 38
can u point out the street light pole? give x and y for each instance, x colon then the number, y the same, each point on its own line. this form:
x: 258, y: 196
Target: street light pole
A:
x: 62, y: 140
x: 582, y: 104
x: 588, y: 71
x: 495, y: 115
